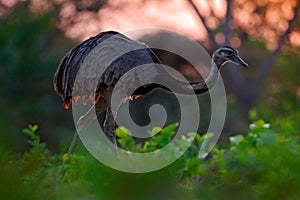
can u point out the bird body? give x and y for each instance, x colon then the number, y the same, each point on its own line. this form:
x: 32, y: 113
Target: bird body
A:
x: 91, y: 58
x: 101, y: 61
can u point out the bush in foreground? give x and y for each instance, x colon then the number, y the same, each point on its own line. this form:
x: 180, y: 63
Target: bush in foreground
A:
x: 261, y: 165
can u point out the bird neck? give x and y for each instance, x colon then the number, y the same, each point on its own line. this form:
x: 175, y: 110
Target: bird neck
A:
x: 214, y: 74
x: 203, y: 86
x: 192, y: 88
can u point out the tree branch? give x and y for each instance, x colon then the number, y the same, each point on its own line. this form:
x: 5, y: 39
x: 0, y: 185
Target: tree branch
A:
x: 225, y: 24
x: 211, y: 35
x: 233, y: 73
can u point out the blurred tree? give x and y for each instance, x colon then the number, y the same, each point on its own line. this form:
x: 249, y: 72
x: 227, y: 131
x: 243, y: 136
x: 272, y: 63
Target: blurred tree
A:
x: 225, y: 22
x: 269, y: 21
x: 30, y: 49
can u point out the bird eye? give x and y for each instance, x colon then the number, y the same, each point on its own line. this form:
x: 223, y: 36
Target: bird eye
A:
x: 230, y: 53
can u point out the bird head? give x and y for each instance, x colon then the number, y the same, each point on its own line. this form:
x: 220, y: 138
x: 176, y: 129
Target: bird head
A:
x: 227, y: 54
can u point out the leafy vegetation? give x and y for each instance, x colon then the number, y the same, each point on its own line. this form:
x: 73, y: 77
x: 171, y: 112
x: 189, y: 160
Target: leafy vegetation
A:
x: 263, y: 164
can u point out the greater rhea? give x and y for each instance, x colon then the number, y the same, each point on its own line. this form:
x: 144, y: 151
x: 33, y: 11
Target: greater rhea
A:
x: 73, y: 61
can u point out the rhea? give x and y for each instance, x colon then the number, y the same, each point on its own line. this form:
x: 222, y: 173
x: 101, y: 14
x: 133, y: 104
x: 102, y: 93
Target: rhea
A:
x: 93, y: 54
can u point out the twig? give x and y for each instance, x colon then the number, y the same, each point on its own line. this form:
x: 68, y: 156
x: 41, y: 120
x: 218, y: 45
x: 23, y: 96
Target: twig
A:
x: 201, y: 17
x: 225, y: 25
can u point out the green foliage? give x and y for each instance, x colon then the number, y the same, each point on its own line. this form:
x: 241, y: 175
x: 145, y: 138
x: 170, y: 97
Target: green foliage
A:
x: 162, y: 138
x: 279, y: 99
x: 31, y: 48
x: 263, y: 164
x: 34, y: 138
x: 125, y: 140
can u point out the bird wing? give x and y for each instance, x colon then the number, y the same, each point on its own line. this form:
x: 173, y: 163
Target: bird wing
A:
x: 97, y: 63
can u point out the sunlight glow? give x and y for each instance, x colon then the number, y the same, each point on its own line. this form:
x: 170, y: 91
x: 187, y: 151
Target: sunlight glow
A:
x: 138, y: 14
x: 262, y: 19
x: 219, y: 8
x: 220, y: 38
x: 9, y: 3
x: 295, y: 38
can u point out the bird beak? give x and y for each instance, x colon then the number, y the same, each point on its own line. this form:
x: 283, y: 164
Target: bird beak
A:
x: 239, y: 61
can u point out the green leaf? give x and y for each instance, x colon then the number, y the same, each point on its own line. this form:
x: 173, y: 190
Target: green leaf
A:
x: 192, y: 163
x: 125, y: 139
x: 27, y: 131
x: 154, y: 131
x: 169, y: 130
x: 192, y: 134
x: 123, y: 132
x: 34, y: 128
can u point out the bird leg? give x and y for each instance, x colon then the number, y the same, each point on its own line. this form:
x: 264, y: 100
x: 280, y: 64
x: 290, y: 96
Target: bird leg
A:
x: 85, y: 120
x: 109, y: 126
